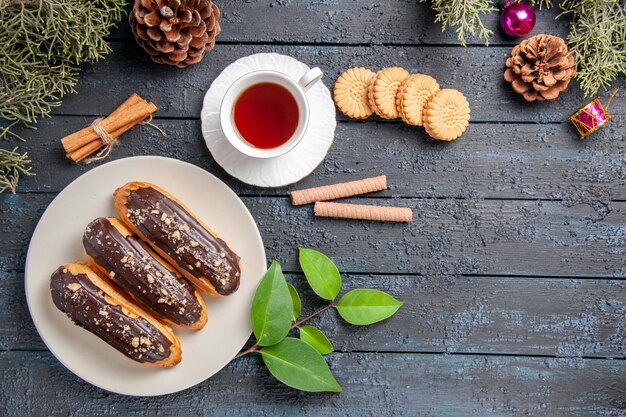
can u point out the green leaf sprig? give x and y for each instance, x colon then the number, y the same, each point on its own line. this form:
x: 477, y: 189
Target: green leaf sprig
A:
x: 275, y: 312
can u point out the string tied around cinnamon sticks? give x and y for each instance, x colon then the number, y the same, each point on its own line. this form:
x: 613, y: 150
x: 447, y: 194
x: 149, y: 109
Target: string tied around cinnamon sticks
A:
x: 102, y: 134
x: 148, y: 122
x: 108, y: 141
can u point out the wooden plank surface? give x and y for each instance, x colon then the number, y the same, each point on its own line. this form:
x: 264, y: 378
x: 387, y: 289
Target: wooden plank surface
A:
x: 448, y: 237
x: 351, y: 22
x: 513, y: 273
x: 515, y: 316
x: 374, y: 384
x: 476, y: 71
x: 490, y: 161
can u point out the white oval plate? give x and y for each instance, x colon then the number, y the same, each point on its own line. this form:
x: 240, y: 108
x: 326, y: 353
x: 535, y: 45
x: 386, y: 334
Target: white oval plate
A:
x: 58, y: 240
x: 281, y: 170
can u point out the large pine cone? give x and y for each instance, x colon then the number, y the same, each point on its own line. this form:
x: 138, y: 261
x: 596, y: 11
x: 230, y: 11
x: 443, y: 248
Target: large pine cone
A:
x: 175, y: 32
x: 540, y: 67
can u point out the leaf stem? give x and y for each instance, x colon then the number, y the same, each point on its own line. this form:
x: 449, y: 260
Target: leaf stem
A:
x: 251, y: 349
x: 317, y: 313
x: 255, y: 347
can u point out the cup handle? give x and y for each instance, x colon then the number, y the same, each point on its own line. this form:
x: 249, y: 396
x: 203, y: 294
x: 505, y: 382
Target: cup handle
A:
x: 310, y: 78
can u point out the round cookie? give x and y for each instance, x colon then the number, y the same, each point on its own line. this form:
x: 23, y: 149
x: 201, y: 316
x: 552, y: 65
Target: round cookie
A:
x: 446, y: 114
x: 383, y: 90
x: 350, y: 93
x: 412, y: 95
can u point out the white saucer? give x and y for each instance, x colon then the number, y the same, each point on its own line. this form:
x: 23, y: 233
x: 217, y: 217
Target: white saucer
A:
x: 282, y: 170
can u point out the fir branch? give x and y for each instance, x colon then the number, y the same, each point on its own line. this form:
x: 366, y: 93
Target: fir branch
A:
x: 542, y: 4
x: 597, y: 33
x: 42, y: 42
x: 465, y: 16
x: 598, y: 39
x: 12, y: 165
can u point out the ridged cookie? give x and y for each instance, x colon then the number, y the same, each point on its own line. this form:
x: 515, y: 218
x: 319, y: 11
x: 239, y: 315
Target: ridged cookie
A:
x: 383, y: 90
x: 350, y: 93
x: 412, y: 96
x: 446, y: 115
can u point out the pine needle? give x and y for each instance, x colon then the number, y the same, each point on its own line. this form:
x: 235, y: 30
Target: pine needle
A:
x: 597, y: 33
x: 464, y: 15
x: 12, y: 165
x: 598, y: 39
x: 542, y: 4
x: 42, y: 42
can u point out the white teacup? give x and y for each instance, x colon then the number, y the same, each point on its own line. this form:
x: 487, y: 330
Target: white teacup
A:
x: 298, y: 91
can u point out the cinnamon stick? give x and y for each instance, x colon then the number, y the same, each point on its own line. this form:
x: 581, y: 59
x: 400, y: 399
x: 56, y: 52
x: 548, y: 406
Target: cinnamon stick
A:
x: 84, y: 151
x: 115, y: 125
x: 85, y: 135
x: 86, y: 141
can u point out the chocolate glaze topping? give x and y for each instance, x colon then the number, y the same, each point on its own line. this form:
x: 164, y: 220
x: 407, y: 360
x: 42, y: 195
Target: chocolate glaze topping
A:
x: 85, y: 304
x: 176, y: 232
x: 134, y: 269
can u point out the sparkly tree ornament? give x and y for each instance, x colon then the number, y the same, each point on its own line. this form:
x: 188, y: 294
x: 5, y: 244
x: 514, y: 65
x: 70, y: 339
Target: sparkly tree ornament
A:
x: 592, y: 116
x: 517, y: 18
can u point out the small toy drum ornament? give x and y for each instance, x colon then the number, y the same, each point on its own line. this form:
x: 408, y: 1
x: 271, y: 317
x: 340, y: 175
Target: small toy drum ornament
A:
x: 592, y: 116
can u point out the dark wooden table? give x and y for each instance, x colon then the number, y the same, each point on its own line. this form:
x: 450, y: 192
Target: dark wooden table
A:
x: 512, y: 272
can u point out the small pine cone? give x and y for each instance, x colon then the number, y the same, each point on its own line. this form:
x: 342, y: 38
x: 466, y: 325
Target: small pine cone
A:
x: 175, y: 32
x: 540, y: 67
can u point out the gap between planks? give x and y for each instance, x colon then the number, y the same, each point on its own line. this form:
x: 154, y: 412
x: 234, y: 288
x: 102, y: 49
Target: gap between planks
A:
x: 341, y: 119
x: 416, y: 274
x: 408, y: 352
x: 374, y: 197
x: 122, y: 40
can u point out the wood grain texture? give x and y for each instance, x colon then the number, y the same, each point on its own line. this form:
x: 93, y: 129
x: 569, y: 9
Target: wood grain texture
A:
x: 490, y: 161
x: 477, y: 72
x: 515, y: 316
x: 448, y: 237
x: 382, y: 384
x: 513, y: 272
x: 350, y: 22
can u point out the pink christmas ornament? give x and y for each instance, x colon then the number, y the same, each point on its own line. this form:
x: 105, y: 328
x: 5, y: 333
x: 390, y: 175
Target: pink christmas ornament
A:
x: 592, y: 116
x: 517, y: 18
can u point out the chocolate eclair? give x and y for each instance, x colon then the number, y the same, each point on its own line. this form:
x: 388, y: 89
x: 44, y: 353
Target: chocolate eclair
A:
x: 179, y: 237
x: 113, y: 250
x: 97, y: 306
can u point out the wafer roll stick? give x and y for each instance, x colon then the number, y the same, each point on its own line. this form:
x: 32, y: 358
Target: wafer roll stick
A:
x: 363, y: 212
x: 341, y: 190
